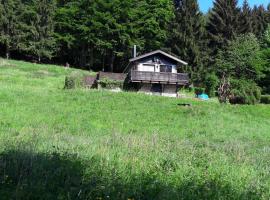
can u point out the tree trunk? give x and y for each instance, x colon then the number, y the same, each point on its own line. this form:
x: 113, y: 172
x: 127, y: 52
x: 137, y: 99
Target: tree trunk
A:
x: 82, y: 57
x: 103, y: 62
x: 91, y: 58
x: 112, y: 61
x: 224, y: 89
x: 7, y: 52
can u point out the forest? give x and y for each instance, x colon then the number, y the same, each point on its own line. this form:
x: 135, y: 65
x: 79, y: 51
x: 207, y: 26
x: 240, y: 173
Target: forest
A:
x: 227, y: 48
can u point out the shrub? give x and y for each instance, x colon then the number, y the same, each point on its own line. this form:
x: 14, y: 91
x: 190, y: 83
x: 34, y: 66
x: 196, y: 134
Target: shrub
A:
x: 244, y: 92
x: 211, y: 84
x: 265, y: 99
x: 80, y: 80
x: 74, y: 80
x: 111, y: 84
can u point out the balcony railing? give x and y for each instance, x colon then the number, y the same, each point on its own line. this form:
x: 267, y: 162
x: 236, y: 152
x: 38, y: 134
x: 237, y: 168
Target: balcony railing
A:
x: 159, y: 77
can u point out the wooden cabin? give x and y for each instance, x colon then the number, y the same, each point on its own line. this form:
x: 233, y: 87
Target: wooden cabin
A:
x: 157, y: 73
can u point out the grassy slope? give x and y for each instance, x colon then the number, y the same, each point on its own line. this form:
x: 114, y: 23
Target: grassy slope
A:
x: 92, y: 144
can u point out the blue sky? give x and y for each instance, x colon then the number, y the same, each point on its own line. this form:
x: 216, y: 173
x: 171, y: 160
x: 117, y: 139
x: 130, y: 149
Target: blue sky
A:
x: 206, y: 4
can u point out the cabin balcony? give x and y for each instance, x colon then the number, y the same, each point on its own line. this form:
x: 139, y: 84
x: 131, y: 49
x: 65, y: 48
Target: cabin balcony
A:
x: 159, y: 77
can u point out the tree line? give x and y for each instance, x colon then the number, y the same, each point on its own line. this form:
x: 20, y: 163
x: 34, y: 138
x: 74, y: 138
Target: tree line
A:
x: 229, y: 43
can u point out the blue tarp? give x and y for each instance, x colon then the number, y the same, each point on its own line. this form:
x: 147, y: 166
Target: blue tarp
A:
x: 203, y: 97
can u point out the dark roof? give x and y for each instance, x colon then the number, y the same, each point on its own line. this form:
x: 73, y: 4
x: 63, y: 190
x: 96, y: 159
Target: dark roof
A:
x: 112, y: 76
x: 158, y: 52
x: 90, y: 81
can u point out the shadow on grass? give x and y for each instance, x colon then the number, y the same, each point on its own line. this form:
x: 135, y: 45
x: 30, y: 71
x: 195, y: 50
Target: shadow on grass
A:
x: 26, y: 175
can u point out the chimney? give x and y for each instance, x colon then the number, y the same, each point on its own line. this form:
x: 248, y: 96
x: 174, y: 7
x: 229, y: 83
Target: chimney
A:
x: 134, y: 51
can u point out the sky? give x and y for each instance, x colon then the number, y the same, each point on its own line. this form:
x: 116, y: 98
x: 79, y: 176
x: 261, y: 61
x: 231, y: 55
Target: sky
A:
x: 206, y: 4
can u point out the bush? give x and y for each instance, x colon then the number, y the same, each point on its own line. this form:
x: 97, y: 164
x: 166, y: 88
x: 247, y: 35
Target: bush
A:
x: 244, y: 92
x: 80, y: 80
x: 74, y: 80
x: 110, y: 84
x: 265, y: 99
x: 211, y: 84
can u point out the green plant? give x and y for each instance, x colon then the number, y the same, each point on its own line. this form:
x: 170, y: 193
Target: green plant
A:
x: 241, y: 59
x: 265, y: 99
x: 79, y: 80
x: 74, y: 80
x: 211, y: 84
x: 244, y: 92
x: 110, y: 84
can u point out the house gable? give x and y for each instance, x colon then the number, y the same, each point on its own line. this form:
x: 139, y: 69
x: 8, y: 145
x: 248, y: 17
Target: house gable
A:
x: 159, y: 53
x: 161, y: 59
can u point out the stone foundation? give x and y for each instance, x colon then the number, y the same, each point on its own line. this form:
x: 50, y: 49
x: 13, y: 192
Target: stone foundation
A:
x: 145, y: 88
x: 167, y: 90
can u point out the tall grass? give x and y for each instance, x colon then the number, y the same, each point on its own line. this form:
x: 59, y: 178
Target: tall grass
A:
x: 87, y: 144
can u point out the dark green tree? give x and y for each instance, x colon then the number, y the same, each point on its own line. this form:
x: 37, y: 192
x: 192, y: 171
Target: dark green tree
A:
x: 66, y: 34
x: 259, y: 20
x: 265, y: 56
x: 102, y: 32
x: 40, y: 40
x: 241, y: 59
x: 187, y: 32
x: 11, y: 12
x: 246, y: 25
x: 95, y: 30
x: 240, y: 67
x: 223, y: 24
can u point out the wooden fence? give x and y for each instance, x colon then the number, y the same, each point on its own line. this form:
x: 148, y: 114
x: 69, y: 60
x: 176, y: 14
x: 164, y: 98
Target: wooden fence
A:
x: 159, y: 77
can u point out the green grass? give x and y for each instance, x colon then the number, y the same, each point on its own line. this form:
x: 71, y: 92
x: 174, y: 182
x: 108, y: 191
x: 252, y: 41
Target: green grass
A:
x: 88, y: 144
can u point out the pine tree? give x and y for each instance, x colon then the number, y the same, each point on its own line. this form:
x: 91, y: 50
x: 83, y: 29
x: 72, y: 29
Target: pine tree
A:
x: 246, y: 19
x: 268, y: 13
x: 265, y: 55
x: 259, y: 20
x: 66, y: 34
x: 40, y: 41
x: 152, y: 22
x: 10, y: 24
x: 187, y: 33
x: 223, y: 24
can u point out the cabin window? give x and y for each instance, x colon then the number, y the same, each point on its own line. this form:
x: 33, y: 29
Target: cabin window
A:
x: 149, y: 67
x: 166, y: 68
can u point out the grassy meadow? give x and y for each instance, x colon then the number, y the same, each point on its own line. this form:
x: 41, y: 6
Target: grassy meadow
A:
x: 88, y: 144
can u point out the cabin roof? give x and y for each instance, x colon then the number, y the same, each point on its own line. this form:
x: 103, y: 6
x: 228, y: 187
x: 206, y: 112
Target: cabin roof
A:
x: 158, y: 52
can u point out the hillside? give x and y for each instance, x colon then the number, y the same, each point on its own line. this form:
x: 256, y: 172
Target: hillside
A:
x: 88, y: 144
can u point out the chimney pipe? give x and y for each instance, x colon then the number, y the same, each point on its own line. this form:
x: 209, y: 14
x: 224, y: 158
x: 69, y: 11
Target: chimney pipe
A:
x: 134, y: 51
